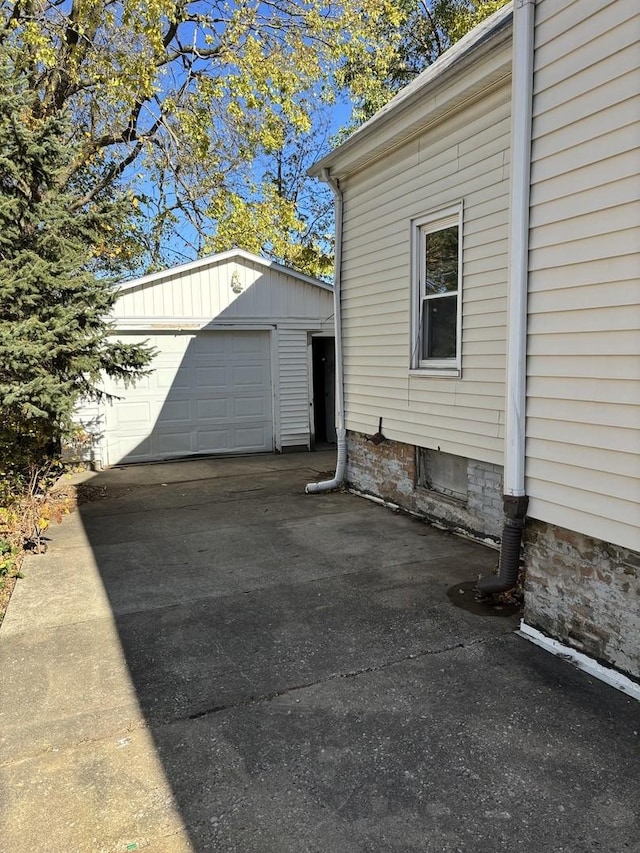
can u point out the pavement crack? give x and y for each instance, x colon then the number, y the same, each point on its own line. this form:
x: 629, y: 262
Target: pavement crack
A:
x: 150, y: 723
x: 381, y: 667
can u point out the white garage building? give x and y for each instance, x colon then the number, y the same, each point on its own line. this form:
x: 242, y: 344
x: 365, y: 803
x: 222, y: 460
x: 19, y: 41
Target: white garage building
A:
x: 244, y: 363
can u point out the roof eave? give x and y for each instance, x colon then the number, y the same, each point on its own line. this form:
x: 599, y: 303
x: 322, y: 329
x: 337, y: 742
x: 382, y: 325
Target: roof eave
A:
x: 471, y: 49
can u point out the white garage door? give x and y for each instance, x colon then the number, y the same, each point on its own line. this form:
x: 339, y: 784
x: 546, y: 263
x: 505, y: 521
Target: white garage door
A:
x: 209, y: 392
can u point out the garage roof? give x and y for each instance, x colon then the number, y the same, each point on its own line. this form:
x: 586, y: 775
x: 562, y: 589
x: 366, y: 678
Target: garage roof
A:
x: 211, y: 260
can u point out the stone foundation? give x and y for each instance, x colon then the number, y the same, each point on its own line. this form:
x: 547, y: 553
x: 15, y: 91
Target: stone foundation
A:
x: 585, y: 593
x: 389, y: 471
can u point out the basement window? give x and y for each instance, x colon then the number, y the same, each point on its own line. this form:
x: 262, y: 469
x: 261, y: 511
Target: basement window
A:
x: 442, y: 473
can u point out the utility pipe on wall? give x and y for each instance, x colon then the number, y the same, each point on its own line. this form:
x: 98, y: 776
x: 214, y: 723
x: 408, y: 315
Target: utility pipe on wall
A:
x: 341, y: 433
x: 515, y: 499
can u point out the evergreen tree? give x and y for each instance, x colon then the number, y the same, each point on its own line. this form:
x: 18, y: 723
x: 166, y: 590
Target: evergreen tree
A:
x: 54, y: 294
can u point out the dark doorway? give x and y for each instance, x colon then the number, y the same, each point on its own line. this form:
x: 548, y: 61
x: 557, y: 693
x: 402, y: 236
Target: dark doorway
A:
x: 324, y: 389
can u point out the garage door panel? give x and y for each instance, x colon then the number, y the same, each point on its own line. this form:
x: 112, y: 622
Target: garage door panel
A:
x: 247, y: 345
x: 211, y: 377
x: 170, y: 378
x: 142, y: 384
x: 213, y: 440
x: 131, y: 449
x: 129, y: 413
x: 176, y: 412
x: 250, y: 374
x: 249, y: 407
x: 169, y: 344
x: 245, y: 441
x: 208, y: 393
x: 249, y: 437
x: 173, y: 443
x: 212, y: 409
x: 211, y: 343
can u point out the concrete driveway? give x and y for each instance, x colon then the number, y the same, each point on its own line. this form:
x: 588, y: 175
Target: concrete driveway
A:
x: 206, y: 659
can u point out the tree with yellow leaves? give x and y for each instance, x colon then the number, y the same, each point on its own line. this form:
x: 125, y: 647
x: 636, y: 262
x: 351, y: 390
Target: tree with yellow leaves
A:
x: 180, y: 98
x: 209, y: 110
x: 406, y: 43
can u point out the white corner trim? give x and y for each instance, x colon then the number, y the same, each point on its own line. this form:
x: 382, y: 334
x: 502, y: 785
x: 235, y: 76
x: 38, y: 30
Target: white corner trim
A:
x: 581, y: 661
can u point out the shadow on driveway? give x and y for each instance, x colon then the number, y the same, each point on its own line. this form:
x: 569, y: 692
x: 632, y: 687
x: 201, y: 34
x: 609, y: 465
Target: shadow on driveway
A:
x: 209, y: 660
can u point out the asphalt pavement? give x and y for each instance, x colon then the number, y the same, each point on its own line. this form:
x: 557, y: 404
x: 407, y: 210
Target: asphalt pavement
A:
x: 207, y: 659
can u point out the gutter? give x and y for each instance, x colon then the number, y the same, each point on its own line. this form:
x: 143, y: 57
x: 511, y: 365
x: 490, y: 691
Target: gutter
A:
x: 482, y: 40
x: 341, y: 433
x: 515, y: 499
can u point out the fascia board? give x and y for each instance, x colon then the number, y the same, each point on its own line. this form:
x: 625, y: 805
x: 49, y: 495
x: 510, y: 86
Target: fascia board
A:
x: 476, y: 63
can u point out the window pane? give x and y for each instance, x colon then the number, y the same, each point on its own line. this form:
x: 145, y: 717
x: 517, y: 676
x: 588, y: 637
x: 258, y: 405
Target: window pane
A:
x: 439, y: 327
x: 442, y: 260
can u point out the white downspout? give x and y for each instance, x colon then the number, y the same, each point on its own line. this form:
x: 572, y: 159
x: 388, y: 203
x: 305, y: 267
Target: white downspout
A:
x: 522, y: 102
x: 341, y: 433
x: 515, y: 499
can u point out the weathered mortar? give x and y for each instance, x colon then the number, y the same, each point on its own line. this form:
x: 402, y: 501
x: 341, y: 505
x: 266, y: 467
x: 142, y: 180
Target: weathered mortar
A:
x: 584, y: 592
x: 388, y: 470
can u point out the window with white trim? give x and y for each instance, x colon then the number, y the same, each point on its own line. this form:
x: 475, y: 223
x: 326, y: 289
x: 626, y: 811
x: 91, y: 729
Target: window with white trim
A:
x: 437, y: 273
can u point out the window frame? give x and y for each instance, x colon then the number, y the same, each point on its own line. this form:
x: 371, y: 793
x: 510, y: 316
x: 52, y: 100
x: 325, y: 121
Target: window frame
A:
x: 422, y: 225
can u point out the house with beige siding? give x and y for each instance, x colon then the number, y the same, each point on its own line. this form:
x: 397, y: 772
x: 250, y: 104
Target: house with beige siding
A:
x: 243, y: 363
x: 488, y: 305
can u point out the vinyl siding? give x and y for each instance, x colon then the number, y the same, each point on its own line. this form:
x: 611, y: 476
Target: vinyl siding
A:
x: 583, y: 406
x: 465, y: 158
x: 206, y: 294
x: 294, y: 388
